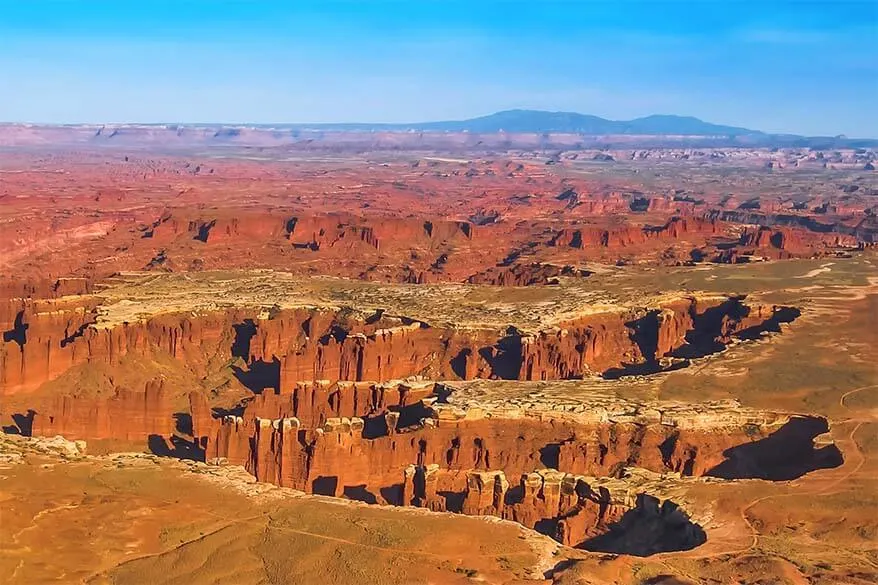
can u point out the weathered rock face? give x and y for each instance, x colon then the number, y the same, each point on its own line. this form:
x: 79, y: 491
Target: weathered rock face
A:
x: 46, y: 344
x: 46, y: 338
x: 170, y: 226
x: 129, y: 415
x: 43, y: 288
x: 524, y: 274
x: 613, y: 343
x: 372, y: 453
x: 379, y: 355
x: 313, y: 403
x: 314, y: 232
x: 41, y: 339
x: 339, y: 406
x: 321, y: 364
x: 561, y: 505
x: 786, y: 242
x: 304, y: 345
x: 482, y: 466
x: 591, y: 237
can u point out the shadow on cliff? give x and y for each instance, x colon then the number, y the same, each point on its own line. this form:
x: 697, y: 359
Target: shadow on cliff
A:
x: 18, y: 333
x: 325, y: 485
x: 259, y: 375
x: 458, y: 362
x: 23, y: 424
x: 649, y: 528
x: 178, y: 445
x: 359, y: 493
x: 642, y: 369
x: 705, y: 338
x: 709, y: 328
x: 504, y: 357
x: 788, y: 453
x: 772, y: 325
x: 244, y: 333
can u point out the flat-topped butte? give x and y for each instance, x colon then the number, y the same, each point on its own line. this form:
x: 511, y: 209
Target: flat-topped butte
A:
x: 131, y: 297
x: 591, y: 401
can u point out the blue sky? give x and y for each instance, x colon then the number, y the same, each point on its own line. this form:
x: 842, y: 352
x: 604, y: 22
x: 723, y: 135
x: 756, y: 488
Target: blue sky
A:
x: 809, y: 66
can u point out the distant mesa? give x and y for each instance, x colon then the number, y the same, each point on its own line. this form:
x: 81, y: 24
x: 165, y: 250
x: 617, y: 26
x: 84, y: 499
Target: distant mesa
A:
x: 542, y: 122
x: 516, y: 129
x: 537, y: 121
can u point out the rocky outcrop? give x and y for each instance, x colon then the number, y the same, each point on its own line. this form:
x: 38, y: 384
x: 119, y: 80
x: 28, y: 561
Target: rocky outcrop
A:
x: 402, y: 468
x: 312, y: 232
x: 618, y: 342
x: 372, y: 452
x: 318, y: 364
x: 313, y: 403
x: 300, y: 345
x: 281, y: 348
x: 41, y: 339
x: 561, y: 505
x: 129, y: 415
x: 804, y: 226
x: 786, y: 242
x: 619, y: 238
x: 222, y: 228
x: 525, y: 274
x: 468, y: 463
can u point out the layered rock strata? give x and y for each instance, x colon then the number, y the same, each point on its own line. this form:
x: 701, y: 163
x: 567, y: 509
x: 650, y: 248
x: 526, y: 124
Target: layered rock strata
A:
x: 281, y: 348
x: 470, y: 455
x: 575, y: 510
x: 372, y: 452
x: 128, y: 415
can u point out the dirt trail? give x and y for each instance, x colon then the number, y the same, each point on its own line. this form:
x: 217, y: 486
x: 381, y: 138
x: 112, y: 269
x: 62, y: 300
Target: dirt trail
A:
x: 854, y: 391
x: 819, y: 490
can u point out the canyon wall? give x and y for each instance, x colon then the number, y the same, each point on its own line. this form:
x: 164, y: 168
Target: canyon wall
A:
x: 474, y: 465
x: 129, y: 415
x: 46, y: 338
x: 306, y: 231
x: 575, y: 510
x: 619, y: 238
x: 317, y: 365
x: 372, y: 453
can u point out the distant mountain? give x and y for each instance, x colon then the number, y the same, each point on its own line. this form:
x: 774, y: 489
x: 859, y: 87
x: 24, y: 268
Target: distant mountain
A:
x: 536, y: 121
x: 655, y: 130
x: 510, y: 129
x: 541, y: 122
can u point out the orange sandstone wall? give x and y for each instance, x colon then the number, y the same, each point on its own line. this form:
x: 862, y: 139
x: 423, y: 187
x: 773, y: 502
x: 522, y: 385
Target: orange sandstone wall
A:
x: 128, y: 415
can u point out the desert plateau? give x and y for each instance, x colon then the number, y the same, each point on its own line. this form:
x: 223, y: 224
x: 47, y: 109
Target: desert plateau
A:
x: 243, y: 364
x: 494, y: 292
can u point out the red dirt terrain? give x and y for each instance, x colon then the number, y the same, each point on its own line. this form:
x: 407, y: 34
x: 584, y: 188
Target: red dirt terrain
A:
x: 405, y: 219
x: 619, y: 372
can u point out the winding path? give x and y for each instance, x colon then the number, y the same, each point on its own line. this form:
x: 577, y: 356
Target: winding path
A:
x: 824, y: 490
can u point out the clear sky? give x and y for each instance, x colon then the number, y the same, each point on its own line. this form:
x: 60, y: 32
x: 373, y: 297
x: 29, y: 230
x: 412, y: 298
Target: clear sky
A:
x: 809, y: 66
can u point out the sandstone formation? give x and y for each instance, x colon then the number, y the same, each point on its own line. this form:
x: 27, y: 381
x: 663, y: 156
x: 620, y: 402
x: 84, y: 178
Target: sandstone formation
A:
x: 472, y: 448
x: 577, y: 511
x: 317, y: 358
x: 442, y: 333
x: 485, y: 221
x: 675, y: 228
x: 282, y: 347
x: 130, y: 416
x: 692, y: 443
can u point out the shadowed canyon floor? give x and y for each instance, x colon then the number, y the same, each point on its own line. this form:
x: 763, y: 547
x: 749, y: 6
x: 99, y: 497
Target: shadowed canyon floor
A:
x: 293, y: 393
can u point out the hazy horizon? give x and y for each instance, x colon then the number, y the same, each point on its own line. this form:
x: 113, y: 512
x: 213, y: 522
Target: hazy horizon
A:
x: 779, y: 67
x: 281, y: 124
